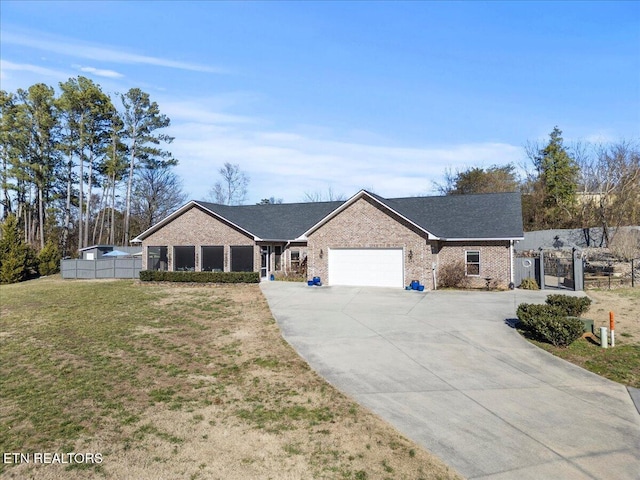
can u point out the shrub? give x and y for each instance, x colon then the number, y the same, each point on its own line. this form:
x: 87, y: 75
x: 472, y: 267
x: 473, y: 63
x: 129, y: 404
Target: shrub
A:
x: 49, y: 259
x: 17, y: 259
x: 291, y: 277
x: 549, y: 323
x: 529, y: 284
x: 571, y: 306
x: 451, y: 275
x: 528, y: 313
x: 199, y: 277
x: 559, y: 331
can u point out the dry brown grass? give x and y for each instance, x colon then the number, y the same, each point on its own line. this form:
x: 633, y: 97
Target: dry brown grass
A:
x: 625, y: 304
x: 181, y: 382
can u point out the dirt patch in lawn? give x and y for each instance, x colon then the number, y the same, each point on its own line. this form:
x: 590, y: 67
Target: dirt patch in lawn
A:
x: 178, y: 381
x: 625, y: 303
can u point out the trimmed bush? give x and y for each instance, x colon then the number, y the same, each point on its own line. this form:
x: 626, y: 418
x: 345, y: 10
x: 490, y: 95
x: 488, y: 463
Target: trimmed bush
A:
x: 571, y: 306
x: 529, y: 284
x: 528, y: 313
x: 549, y: 323
x: 559, y: 331
x: 199, y: 277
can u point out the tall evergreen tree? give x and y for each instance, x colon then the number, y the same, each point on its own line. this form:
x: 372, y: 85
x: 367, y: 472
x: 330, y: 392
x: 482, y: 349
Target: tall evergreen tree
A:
x: 42, y: 159
x: 89, y: 112
x: 558, y: 176
x: 142, y: 118
x: 8, y: 133
x: 16, y: 258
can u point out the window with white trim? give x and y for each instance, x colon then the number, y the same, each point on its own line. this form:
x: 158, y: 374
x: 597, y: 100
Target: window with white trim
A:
x: 472, y: 263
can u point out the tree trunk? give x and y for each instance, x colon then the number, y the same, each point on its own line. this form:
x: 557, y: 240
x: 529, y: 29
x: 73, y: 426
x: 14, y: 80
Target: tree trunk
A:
x: 112, y: 233
x: 41, y: 216
x: 87, y: 218
x: 129, y: 185
x: 101, y: 214
x: 81, y: 186
x: 67, y: 208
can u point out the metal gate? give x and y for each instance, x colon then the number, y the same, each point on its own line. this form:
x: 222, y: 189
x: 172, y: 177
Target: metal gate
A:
x: 558, y: 269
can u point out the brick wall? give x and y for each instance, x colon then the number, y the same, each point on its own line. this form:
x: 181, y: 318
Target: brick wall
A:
x: 495, y: 260
x: 365, y: 224
x: 197, y: 228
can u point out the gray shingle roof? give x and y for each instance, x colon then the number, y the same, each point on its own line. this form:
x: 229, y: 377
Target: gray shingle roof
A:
x: 285, y: 221
x: 490, y: 215
x: 486, y: 216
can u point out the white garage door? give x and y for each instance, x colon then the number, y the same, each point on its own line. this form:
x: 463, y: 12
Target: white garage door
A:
x: 372, y: 267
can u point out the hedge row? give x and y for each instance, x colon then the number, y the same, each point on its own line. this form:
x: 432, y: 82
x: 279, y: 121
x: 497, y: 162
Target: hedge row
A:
x: 199, y: 277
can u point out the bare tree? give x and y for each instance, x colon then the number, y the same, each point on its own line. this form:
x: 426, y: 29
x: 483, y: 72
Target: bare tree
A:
x: 610, y: 185
x: 232, y: 188
x: 270, y: 201
x: 328, y: 196
x: 156, y: 193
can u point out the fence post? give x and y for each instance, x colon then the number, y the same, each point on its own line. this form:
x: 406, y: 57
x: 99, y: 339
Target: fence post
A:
x: 633, y: 275
x: 541, y: 270
x: 578, y: 271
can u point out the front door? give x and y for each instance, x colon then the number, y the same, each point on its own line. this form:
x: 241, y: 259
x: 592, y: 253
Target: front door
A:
x: 265, y: 259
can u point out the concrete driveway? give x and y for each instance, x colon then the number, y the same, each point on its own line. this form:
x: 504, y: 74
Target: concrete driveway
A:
x: 448, y: 372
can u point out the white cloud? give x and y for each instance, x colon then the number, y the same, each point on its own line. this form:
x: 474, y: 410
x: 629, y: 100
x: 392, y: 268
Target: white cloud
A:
x: 78, y: 49
x: 99, y: 72
x: 6, y: 65
x: 288, y: 164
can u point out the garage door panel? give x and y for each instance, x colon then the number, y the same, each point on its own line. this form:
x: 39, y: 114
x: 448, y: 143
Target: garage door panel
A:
x: 375, y: 267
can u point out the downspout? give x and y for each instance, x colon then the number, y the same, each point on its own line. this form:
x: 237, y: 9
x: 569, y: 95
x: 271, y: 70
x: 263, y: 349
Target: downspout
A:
x: 511, y: 278
x: 434, y: 265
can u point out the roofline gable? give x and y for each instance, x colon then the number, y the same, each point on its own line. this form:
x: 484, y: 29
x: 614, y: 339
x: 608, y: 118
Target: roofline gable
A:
x: 351, y: 201
x: 187, y: 206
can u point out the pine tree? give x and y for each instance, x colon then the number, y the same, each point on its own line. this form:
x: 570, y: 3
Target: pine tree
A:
x: 49, y: 259
x: 558, y: 175
x: 142, y: 118
x: 16, y: 258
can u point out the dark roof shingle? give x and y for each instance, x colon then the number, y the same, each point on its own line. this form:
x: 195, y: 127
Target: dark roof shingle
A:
x: 285, y: 221
x: 483, y: 216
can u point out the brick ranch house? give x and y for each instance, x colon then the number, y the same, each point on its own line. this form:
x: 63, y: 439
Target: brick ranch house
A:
x: 366, y: 240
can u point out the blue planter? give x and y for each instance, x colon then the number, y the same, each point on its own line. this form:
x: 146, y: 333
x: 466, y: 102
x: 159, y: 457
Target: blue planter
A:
x: 310, y: 283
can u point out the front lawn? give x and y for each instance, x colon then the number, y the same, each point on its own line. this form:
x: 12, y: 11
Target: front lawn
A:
x: 176, y: 381
x: 621, y: 363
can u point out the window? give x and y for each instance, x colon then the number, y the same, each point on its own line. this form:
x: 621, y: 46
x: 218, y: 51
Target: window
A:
x: 295, y: 261
x: 278, y: 258
x: 472, y: 263
x: 184, y: 259
x: 212, y: 259
x: 242, y: 259
x: 157, y: 258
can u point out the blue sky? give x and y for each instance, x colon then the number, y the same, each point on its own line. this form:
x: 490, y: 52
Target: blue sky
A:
x: 310, y: 95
